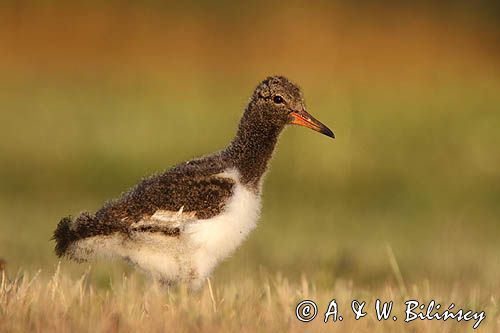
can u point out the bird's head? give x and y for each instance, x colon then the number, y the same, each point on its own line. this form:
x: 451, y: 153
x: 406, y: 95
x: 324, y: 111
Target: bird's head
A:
x: 280, y: 102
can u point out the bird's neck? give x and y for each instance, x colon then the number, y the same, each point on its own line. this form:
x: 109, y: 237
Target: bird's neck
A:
x: 253, y: 146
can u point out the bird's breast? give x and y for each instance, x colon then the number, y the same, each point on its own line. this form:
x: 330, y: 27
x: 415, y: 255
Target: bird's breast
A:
x: 220, y: 235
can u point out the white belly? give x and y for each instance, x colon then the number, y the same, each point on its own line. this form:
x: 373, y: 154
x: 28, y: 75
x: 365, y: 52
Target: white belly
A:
x: 216, y: 238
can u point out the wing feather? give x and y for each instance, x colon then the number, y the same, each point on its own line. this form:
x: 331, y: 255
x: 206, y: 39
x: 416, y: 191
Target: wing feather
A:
x: 165, y: 221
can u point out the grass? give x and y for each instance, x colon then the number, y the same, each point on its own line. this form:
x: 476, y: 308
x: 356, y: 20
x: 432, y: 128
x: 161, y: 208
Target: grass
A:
x: 94, y: 98
x: 419, y: 177
x: 263, y: 303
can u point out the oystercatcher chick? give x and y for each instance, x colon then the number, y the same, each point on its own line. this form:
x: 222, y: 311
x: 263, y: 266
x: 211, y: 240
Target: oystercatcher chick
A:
x: 179, y: 224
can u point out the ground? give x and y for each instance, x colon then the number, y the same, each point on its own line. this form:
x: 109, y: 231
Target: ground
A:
x: 265, y: 304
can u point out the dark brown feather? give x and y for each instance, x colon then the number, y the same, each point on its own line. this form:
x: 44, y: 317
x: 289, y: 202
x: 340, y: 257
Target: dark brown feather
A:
x: 194, y: 185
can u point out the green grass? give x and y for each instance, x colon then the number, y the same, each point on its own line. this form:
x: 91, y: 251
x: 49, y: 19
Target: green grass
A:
x: 414, y: 166
x: 420, y: 163
x: 403, y: 203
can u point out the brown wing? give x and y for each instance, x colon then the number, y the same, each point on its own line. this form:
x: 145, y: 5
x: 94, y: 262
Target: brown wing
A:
x: 201, y: 197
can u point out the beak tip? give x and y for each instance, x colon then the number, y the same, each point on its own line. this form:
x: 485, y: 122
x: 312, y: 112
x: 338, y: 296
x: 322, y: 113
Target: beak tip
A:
x: 328, y: 132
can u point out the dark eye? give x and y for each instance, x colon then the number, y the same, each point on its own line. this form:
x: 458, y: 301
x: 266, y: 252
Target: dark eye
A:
x: 278, y: 99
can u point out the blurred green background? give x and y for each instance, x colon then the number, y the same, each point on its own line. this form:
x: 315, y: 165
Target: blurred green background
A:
x: 95, y: 95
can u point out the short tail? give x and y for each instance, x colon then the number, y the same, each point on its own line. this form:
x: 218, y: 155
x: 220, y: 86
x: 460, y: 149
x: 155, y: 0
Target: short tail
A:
x: 69, y: 231
x: 86, y: 225
x: 64, y: 236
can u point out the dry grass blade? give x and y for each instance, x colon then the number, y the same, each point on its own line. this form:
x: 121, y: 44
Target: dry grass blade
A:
x: 397, y: 272
x: 60, y: 304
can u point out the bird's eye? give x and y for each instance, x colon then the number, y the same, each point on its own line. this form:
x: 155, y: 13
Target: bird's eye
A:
x: 278, y: 99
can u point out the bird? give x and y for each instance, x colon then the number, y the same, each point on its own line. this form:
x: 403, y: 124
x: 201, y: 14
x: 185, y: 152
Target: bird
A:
x: 177, y: 225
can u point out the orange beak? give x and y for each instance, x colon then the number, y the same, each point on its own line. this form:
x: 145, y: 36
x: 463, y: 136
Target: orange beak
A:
x: 302, y: 118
